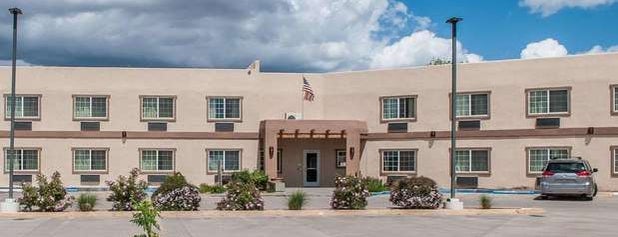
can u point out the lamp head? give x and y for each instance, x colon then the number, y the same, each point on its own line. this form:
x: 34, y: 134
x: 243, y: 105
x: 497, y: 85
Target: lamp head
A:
x: 15, y: 11
x: 454, y: 20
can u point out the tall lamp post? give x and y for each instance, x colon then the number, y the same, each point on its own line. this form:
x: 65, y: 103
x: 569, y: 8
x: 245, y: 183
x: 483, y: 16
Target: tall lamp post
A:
x: 9, y: 205
x: 453, y: 203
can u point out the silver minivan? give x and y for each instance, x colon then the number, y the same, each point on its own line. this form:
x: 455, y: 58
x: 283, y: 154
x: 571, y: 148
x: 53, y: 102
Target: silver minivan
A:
x: 568, y: 177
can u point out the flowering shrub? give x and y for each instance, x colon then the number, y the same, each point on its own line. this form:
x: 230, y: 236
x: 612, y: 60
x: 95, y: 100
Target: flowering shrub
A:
x: 47, y: 196
x: 416, y: 193
x: 176, y: 194
x: 257, y: 177
x: 241, y: 196
x: 126, y: 191
x: 350, y: 193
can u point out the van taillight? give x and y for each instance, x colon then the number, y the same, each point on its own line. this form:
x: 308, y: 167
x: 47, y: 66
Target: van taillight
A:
x: 547, y: 173
x: 583, y: 173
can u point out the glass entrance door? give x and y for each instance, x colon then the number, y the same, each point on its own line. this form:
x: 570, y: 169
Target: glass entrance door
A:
x: 311, y: 168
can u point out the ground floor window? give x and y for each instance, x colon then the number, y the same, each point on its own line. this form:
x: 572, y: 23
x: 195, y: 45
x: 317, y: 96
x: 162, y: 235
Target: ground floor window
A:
x: 228, y: 159
x: 340, y: 156
x: 89, y: 159
x: 157, y: 160
x: 23, y: 159
x: 399, y: 160
x: 262, y: 166
x: 615, y: 156
x: 538, y: 157
x: 472, y: 161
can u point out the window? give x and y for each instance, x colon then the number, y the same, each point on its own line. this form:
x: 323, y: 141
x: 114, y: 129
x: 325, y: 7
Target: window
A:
x: 550, y: 101
x: 26, y: 107
x: 397, y: 108
x: 157, y: 160
x: 615, y: 99
x: 85, y: 107
x: 340, y: 157
x: 262, y: 166
x: 615, y: 159
x: 223, y: 108
x: 89, y: 159
x: 538, y: 157
x: 230, y: 159
x: 472, y: 161
x: 472, y: 105
x: 158, y: 108
x: 23, y: 159
x: 399, y: 161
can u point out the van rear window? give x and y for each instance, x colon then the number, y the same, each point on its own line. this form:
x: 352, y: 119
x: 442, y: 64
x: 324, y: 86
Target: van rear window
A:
x: 567, y: 167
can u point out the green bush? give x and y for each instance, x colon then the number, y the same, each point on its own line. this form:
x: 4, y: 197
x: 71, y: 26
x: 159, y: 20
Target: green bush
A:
x: 126, y: 191
x: 350, y: 193
x: 485, y: 201
x: 48, y: 196
x: 86, y: 201
x: 375, y: 184
x: 241, y: 196
x: 205, y: 188
x: 416, y: 193
x: 297, y: 200
x: 176, y: 194
x: 146, y: 218
x: 256, y: 177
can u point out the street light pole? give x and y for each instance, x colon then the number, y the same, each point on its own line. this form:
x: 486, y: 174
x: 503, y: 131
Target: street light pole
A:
x: 11, y: 151
x: 453, y: 21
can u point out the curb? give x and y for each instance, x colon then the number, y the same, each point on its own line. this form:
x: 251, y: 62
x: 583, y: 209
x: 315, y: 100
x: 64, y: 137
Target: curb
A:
x: 284, y: 213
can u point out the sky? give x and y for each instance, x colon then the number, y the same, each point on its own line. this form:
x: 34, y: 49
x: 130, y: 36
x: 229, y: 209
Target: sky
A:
x: 302, y: 35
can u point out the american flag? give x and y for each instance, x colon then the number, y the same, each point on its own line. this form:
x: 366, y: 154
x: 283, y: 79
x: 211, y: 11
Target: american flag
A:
x: 308, y: 92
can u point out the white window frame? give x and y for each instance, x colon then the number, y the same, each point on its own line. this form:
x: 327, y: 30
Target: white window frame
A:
x: 208, y: 170
x: 399, y: 118
x: 141, y: 156
x: 614, y: 101
x: 548, y: 149
x: 7, y: 105
x: 21, y: 150
x: 469, y: 151
x: 469, y: 95
x: 340, y: 154
x: 90, y: 117
x: 547, y: 92
x: 398, y: 171
x: 225, y: 98
x: 90, y: 150
x: 614, y: 153
x: 158, y: 115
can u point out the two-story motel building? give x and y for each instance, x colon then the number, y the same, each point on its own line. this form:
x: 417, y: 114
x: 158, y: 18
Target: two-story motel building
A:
x: 93, y: 124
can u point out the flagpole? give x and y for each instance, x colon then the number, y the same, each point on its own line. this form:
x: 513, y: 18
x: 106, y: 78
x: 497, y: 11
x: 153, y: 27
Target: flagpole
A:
x: 302, y: 98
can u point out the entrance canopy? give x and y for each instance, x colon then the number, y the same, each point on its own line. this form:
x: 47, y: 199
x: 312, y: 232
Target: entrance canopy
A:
x: 350, y: 130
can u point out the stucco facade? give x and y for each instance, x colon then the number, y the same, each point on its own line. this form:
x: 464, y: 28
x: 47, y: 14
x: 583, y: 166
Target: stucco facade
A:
x: 347, y: 114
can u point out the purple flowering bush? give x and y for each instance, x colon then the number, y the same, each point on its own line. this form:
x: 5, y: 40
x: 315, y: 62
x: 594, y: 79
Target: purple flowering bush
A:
x: 176, y: 194
x: 48, y: 196
x: 416, y: 193
x: 126, y: 191
x: 350, y: 193
x: 241, y: 196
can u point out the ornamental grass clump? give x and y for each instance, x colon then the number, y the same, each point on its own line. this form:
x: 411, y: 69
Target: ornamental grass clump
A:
x: 241, y: 196
x: 375, y: 185
x: 485, y: 201
x: 416, y: 193
x: 48, y: 196
x: 297, y: 200
x: 176, y: 194
x: 86, y: 201
x: 126, y: 191
x: 350, y: 193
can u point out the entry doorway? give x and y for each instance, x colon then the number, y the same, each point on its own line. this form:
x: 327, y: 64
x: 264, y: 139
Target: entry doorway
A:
x: 311, y: 168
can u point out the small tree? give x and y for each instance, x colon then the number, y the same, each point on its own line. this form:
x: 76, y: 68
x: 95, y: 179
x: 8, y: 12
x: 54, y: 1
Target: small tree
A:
x: 126, y: 191
x: 146, y: 218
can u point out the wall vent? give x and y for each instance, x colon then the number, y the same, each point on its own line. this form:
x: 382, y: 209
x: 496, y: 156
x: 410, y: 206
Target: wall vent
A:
x: 157, y: 126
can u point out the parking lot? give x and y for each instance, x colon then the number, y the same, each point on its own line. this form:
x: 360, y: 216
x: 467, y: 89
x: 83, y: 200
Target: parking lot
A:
x: 562, y: 217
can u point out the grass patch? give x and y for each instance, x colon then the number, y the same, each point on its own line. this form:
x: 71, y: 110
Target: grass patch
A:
x: 86, y: 201
x: 485, y: 201
x: 297, y: 200
x: 205, y: 188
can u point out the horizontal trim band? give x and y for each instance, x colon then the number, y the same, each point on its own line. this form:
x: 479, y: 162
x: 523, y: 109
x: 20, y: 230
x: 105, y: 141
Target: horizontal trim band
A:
x: 133, y: 135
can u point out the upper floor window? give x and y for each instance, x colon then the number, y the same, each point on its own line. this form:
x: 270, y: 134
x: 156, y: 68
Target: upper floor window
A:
x: 399, y: 108
x: 615, y: 99
x: 90, y: 107
x: 548, y: 101
x: 157, y: 160
x: 26, y: 107
x: 228, y: 159
x: 224, y: 108
x: 158, y: 107
x: 472, y: 105
x: 394, y: 161
x: 538, y: 157
x: 24, y: 159
x: 472, y: 161
x: 85, y: 159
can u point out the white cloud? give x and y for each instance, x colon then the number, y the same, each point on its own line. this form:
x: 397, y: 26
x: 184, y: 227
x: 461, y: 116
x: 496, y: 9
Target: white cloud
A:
x: 545, y: 48
x: 549, y: 7
x: 599, y: 49
x: 419, y: 48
